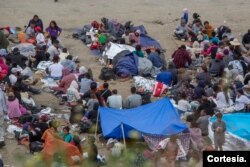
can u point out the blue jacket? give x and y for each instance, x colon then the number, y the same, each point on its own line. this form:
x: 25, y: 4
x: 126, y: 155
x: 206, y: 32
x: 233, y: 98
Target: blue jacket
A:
x: 155, y: 59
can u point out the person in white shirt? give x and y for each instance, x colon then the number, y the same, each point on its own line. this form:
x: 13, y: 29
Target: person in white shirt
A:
x: 183, y: 105
x: 30, y: 31
x: 241, y: 101
x: 53, y: 49
x: 223, y: 99
x: 56, y: 69
x: 115, y: 101
x: 40, y: 39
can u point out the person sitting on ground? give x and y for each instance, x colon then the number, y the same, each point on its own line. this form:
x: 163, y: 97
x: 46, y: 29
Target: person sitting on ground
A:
x: 181, y: 58
x: 208, y: 105
x: 37, y: 21
x: 134, y: 37
x: 223, y: 100
x: 4, y: 43
x: 90, y: 104
x: 69, y: 64
x: 216, y: 67
x: 13, y: 106
x: 203, y: 122
x: 40, y: 39
x: 77, y: 112
x: 236, y: 64
x: 73, y: 94
x: 125, y: 36
x: 212, y: 50
x: 64, y: 54
x: 42, y: 123
x: 66, y: 135
x: 174, y: 72
x: 34, y: 60
x: 65, y: 83
x: 115, y: 100
x: 53, y: 30
x: 105, y: 93
x: 219, y: 128
x: 214, y: 38
x: 134, y: 100
x: 181, y: 31
x: 241, y: 102
x: 53, y: 49
x: 16, y: 58
x: 208, y: 28
x: 56, y: 69
x: 93, y: 114
x: 196, y: 28
x: 85, y: 83
x: 30, y: 32
x: 246, y: 40
x: 154, y: 57
x: 93, y: 89
x: 183, y: 105
x: 35, y: 136
x: 196, y: 18
x: 138, y: 51
x: 199, y: 90
x: 77, y: 142
x: 204, y: 75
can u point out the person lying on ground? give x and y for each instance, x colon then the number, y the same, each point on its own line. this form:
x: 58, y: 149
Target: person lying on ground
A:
x: 37, y: 21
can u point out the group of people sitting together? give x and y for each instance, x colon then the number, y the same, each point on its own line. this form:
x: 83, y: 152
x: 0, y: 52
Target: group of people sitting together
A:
x: 222, y: 85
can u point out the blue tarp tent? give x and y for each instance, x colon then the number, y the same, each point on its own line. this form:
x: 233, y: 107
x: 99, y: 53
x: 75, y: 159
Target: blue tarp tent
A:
x: 146, y: 41
x: 237, y: 124
x: 157, y: 118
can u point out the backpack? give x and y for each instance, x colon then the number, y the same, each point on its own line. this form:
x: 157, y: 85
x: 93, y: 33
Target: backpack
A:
x: 107, y: 74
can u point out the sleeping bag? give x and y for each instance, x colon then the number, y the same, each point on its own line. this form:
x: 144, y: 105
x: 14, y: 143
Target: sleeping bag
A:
x: 127, y: 66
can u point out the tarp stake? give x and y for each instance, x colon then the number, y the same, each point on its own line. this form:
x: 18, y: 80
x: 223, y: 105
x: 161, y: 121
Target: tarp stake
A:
x: 123, y: 136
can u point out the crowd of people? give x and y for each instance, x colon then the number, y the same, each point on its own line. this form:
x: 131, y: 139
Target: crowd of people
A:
x: 222, y: 86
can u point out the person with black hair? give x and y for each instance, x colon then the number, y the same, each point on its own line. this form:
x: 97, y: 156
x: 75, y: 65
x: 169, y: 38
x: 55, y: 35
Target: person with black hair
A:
x: 246, y: 40
x: 37, y: 21
x: 66, y: 135
x: 134, y: 100
x: 69, y: 64
x: 53, y: 30
x: 138, y: 51
x: 16, y: 58
x: 105, y: 93
x: 53, y: 49
x: 181, y: 57
x: 115, y: 101
x: 208, y: 28
x: 85, y: 83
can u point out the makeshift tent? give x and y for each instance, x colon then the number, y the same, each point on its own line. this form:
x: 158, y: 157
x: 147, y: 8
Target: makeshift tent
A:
x: 113, y: 49
x: 157, y: 118
x: 127, y: 66
x: 148, y: 42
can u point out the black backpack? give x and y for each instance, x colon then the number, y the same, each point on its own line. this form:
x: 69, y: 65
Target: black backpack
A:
x: 107, y: 74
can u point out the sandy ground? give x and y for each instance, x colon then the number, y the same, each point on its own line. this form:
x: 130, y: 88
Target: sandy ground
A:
x: 71, y: 14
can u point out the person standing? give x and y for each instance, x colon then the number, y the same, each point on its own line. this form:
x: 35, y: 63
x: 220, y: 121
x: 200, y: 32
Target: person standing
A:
x: 53, y: 30
x: 37, y: 21
x: 219, y: 128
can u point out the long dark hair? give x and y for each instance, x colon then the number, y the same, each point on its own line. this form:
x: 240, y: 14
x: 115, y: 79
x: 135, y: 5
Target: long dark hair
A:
x: 54, y: 22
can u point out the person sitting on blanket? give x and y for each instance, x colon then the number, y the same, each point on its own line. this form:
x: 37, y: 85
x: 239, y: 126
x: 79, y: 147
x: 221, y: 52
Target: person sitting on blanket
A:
x: 56, y: 69
x: 69, y: 64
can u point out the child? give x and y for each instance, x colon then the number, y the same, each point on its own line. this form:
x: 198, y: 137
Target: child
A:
x: 66, y: 135
x: 219, y: 128
x: 171, y: 151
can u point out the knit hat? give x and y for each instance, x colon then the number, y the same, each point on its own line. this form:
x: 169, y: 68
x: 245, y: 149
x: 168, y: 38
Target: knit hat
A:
x: 38, y: 29
x: 219, y: 56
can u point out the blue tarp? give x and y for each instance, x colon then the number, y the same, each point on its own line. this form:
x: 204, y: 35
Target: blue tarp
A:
x: 157, y: 118
x: 237, y: 124
x: 127, y: 65
x: 146, y: 41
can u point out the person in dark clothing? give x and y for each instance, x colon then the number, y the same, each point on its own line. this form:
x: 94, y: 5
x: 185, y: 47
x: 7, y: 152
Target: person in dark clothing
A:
x: 37, y: 21
x: 204, y: 76
x: 42, y: 123
x: 181, y: 57
x: 173, y: 70
x: 199, y: 91
x: 246, y: 40
x: 216, y: 67
x: 105, y: 93
x: 207, y: 105
x: 16, y: 58
x: 93, y: 114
